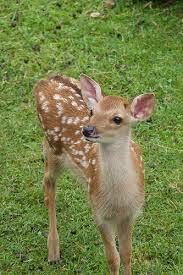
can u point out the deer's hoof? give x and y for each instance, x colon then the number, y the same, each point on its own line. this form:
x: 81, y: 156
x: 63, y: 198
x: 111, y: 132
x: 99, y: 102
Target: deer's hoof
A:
x: 54, y: 258
x: 53, y: 251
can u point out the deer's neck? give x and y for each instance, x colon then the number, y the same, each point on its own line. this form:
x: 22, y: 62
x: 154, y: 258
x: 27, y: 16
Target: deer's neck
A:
x: 115, y: 160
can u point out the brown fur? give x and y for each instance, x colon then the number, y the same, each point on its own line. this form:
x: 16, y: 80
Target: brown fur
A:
x: 59, y: 103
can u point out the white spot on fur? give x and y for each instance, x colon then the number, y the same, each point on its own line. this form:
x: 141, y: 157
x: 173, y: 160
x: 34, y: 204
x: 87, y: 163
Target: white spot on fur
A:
x: 59, y: 108
x: 93, y: 162
x: 64, y: 100
x: 87, y: 148
x: 44, y: 106
x: 77, y: 132
x: 40, y: 93
x: 77, y: 160
x: 86, y: 118
x: 51, y: 132
x: 77, y: 142
x: 80, y: 107
x: 74, y: 104
x: 69, y: 120
x: 84, y: 158
x: 57, y: 129
x: 57, y: 97
x: 42, y: 98
x: 60, y: 86
x: 71, y: 97
x: 74, y: 152
x: 74, y: 82
x: 63, y: 138
x: 84, y: 163
x: 56, y: 138
x: 76, y: 120
x: 72, y: 90
x: 63, y: 120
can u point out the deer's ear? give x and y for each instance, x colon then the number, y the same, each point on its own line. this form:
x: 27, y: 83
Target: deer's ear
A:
x: 90, y: 90
x: 142, y: 107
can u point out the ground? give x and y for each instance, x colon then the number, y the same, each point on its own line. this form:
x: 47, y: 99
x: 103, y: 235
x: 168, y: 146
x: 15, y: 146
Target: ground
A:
x: 135, y: 47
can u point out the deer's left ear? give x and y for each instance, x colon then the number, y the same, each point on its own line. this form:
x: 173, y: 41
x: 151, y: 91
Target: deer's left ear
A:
x: 142, y: 107
x: 90, y: 90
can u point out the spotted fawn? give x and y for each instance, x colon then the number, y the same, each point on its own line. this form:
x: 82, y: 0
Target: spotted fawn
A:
x: 91, y: 134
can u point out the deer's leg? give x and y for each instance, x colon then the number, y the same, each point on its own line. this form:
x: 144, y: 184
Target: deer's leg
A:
x: 51, y: 171
x: 111, y: 252
x: 125, y: 244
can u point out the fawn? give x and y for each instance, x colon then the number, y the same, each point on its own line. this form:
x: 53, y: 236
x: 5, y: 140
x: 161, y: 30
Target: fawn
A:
x: 91, y: 134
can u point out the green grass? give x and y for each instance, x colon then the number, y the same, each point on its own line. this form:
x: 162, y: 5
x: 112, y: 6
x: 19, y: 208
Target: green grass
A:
x: 129, y: 50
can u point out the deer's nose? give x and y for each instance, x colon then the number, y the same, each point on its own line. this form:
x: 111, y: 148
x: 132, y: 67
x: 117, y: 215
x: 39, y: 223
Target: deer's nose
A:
x: 89, y: 131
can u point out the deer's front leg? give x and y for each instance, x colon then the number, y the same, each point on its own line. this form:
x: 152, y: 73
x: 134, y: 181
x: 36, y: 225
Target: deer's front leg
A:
x: 110, y: 248
x: 125, y: 244
x: 49, y: 197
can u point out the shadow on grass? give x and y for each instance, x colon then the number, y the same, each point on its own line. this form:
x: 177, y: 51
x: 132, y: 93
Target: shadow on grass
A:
x: 149, y: 3
x: 157, y: 3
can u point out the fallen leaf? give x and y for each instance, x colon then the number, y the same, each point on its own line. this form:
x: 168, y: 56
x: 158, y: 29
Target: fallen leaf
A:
x: 95, y: 14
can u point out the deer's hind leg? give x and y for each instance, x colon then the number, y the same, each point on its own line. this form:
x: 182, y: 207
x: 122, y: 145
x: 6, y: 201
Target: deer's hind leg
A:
x: 52, y: 169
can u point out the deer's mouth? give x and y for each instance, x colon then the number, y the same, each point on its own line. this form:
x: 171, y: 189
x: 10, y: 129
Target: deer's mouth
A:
x: 92, y: 138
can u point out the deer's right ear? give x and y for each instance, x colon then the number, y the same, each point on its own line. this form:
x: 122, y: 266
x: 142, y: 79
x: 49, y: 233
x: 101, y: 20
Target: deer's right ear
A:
x: 142, y: 107
x: 90, y: 90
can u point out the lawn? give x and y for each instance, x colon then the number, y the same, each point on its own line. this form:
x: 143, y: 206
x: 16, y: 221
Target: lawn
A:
x: 130, y: 49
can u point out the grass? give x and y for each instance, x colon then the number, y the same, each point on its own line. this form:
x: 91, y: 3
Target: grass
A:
x: 128, y: 50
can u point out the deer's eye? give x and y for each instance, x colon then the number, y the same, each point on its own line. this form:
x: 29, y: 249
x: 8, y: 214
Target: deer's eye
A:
x: 91, y: 112
x: 117, y: 120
